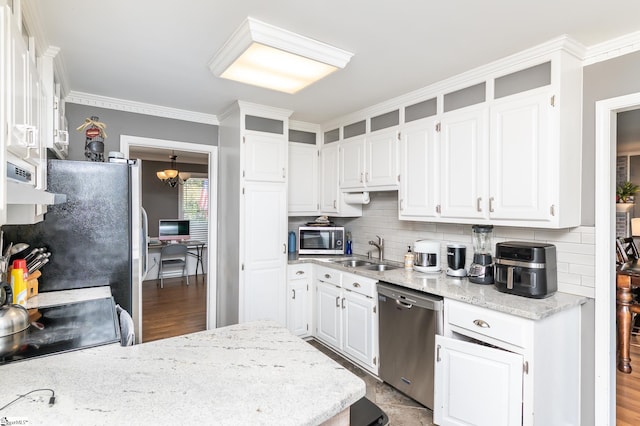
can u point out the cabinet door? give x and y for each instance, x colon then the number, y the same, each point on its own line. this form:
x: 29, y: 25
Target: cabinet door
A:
x: 329, y: 160
x: 419, y: 171
x: 265, y: 157
x: 298, y: 307
x: 329, y: 314
x: 265, y: 253
x: 476, y: 385
x: 464, y: 160
x: 382, y: 160
x: 352, y: 173
x: 519, y: 173
x: 21, y: 133
x: 358, y: 325
x: 303, y: 179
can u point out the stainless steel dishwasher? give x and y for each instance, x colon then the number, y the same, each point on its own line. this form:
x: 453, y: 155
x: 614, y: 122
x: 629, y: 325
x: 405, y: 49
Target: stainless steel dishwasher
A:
x: 409, y: 322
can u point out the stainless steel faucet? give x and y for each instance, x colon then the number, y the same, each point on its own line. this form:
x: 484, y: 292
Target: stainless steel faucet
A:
x: 380, y: 246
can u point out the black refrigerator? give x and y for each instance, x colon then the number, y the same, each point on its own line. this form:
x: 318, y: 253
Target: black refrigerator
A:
x: 98, y: 236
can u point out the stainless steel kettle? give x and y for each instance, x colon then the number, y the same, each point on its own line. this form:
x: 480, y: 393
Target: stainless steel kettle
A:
x: 13, y: 318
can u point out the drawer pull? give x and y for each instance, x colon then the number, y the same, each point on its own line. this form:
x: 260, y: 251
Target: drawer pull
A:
x: 294, y: 294
x: 337, y: 301
x: 327, y: 276
x: 481, y: 323
x: 356, y: 285
x: 299, y: 272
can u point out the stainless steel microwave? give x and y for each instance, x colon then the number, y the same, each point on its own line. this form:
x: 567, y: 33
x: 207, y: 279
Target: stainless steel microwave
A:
x: 321, y: 240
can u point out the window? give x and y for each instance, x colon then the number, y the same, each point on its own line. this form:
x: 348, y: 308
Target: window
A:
x: 194, y: 205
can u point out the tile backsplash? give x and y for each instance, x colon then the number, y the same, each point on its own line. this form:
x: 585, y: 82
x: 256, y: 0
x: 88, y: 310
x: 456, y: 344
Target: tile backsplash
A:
x: 575, y: 247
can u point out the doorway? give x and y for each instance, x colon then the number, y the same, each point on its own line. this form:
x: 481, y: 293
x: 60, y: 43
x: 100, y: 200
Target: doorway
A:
x: 605, y: 336
x: 129, y: 144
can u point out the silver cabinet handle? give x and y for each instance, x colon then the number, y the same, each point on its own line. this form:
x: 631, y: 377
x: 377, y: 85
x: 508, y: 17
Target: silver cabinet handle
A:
x: 299, y: 272
x: 284, y: 248
x: 343, y: 303
x: 552, y: 210
x: 294, y: 294
x: 478, y: 202
x: 438, y: 354
x: 366, y: 177
x: 335, y: 204
x: 337, y: 301
x: 361, y: 177
x: 491, y: 204
x: 481, y: 323
x: 356, y: 285
x: 283, y: 173
x: 327, y: 276
x: 401, y: 204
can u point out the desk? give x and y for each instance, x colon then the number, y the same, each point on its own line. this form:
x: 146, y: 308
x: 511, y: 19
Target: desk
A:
x: 627, y: 279
x: 198, y: 246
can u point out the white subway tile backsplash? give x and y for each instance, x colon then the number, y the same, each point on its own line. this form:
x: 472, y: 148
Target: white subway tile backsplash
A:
x: 575, y: 247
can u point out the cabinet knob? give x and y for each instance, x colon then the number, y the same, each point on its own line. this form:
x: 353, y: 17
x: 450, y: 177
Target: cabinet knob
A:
x: 327, y: 276
x: 356, y: 285
x: 299, y: 272
x: 481, y: 323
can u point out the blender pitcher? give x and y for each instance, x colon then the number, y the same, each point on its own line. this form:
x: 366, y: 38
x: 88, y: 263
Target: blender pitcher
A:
x: 481, y: 269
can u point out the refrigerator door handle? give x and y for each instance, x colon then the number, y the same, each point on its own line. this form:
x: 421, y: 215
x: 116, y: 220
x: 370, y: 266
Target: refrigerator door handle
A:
x: 145, y: 242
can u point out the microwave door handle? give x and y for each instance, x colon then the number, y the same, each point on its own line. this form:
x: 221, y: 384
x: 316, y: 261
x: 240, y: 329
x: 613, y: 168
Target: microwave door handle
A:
x: 333, y: 239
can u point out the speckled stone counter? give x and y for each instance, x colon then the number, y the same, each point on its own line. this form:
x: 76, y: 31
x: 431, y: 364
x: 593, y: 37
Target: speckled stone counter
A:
x: 60, y: 297
x: 247, y: 374
x: 461, y: 289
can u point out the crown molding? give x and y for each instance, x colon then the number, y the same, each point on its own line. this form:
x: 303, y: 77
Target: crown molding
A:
x: 613, y: 48
x: 140, y: 108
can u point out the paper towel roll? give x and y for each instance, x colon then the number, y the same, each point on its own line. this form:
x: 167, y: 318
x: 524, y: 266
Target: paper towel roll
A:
x: 356, y: 198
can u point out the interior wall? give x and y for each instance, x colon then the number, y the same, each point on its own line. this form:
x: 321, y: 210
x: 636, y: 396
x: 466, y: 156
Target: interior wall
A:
x: 133, y: 124
x: 158, y: 199
x: 602, y: 80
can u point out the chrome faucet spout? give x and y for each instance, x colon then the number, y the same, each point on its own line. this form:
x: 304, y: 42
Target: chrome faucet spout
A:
x: 380, y: 246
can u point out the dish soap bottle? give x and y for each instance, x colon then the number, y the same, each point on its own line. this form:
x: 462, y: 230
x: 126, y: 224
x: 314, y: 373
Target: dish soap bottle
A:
x: 348, y: 249
x: 408, y: 259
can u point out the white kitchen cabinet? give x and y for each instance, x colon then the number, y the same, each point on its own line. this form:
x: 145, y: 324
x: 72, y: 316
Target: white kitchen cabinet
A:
x: 521, y: 139
x: 5, y: 94
x: 265, y: 158
x: 494, y: 368
x: 464, y: 159
x: 418, y: 196
x: 303, y: 179
x: 252, y: 266
x: 346, y: 315
x: 299, y: 299
x: 331, y: 197
x: 371, y: 162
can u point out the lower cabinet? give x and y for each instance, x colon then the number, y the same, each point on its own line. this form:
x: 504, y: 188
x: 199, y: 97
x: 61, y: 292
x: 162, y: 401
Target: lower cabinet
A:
x: 299, y: 299
x: 494, y: 368
x: 347, y: 315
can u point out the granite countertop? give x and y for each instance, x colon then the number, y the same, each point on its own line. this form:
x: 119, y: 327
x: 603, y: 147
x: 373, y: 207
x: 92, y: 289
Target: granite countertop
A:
x: 252, y: 373
x: 461, y: 289
x: 61, y: 297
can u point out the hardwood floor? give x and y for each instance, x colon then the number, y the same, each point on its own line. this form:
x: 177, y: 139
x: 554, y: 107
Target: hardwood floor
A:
x: 175, y: 309
x: 628, y: 390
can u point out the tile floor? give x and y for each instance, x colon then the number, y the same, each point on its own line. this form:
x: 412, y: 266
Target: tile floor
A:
x: 402, y: 410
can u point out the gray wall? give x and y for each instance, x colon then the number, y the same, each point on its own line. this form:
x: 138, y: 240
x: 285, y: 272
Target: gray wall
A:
x: 159, y: 200
x: 609, y: 79
x: 132, y: 124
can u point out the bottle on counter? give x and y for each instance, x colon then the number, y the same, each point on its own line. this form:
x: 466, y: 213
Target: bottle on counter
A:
x: 349, y: 245
x: 19, y: 281
x: 408, y: 259
x: 292, y: 242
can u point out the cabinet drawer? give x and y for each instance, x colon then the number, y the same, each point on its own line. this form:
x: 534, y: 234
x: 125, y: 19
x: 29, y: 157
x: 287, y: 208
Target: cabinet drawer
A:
x: 299, y: 271
x: 485, y: 322
x: 359, y: 284
x: 328, y: 275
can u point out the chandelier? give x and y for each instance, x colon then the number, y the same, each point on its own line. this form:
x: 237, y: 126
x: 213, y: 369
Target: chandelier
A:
x: 172, y: 176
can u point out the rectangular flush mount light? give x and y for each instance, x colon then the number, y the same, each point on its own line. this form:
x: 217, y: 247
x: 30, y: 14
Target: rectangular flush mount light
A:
x: 267, y: 56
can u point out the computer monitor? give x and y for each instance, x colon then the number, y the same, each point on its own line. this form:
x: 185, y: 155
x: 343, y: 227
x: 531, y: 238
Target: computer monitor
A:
x: 173, y: 229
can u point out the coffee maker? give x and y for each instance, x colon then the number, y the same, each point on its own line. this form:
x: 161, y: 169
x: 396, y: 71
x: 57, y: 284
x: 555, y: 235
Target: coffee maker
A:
x: 427, y: 256
x: 481, y: 269
x: 456, y: 258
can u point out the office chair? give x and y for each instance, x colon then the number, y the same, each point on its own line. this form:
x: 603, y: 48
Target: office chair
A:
x: 173, y: 256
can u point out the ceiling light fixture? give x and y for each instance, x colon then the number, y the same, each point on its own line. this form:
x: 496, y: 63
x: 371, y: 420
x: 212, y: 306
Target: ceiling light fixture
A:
x: 172, y: 176
x: 267, y: 56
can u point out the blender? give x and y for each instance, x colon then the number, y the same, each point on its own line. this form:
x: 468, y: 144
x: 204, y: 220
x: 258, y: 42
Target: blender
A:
x: 481, y: 269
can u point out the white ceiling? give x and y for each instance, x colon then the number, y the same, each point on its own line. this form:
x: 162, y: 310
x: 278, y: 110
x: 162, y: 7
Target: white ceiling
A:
x: 157, y: 51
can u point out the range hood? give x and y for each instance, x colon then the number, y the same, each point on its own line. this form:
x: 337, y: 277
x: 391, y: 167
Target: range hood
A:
x: 20, y: 193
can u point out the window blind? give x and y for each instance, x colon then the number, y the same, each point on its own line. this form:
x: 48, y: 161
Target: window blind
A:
x: 194, y: 204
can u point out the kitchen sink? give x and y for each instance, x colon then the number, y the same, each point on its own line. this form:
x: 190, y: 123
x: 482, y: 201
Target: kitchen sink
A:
x: 379, y: 267
x: 354, y: 263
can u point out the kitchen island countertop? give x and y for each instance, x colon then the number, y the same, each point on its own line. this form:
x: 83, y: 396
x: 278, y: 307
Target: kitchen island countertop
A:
x: 252, y: 373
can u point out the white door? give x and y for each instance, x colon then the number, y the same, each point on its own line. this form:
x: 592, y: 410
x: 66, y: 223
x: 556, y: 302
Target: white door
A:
x: 519, y: 172
x: 476, y: 385
x: 329, y: 314
x: 263, y: 286
x: 265, y: 157
x: 298, y: 307
x: 419, y: 171
x: 329, y: 160
x: 464, y: 157
x: 358, y: 325
x: 352, y: 173
x: 382, y: 159
x: 303, y: 179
